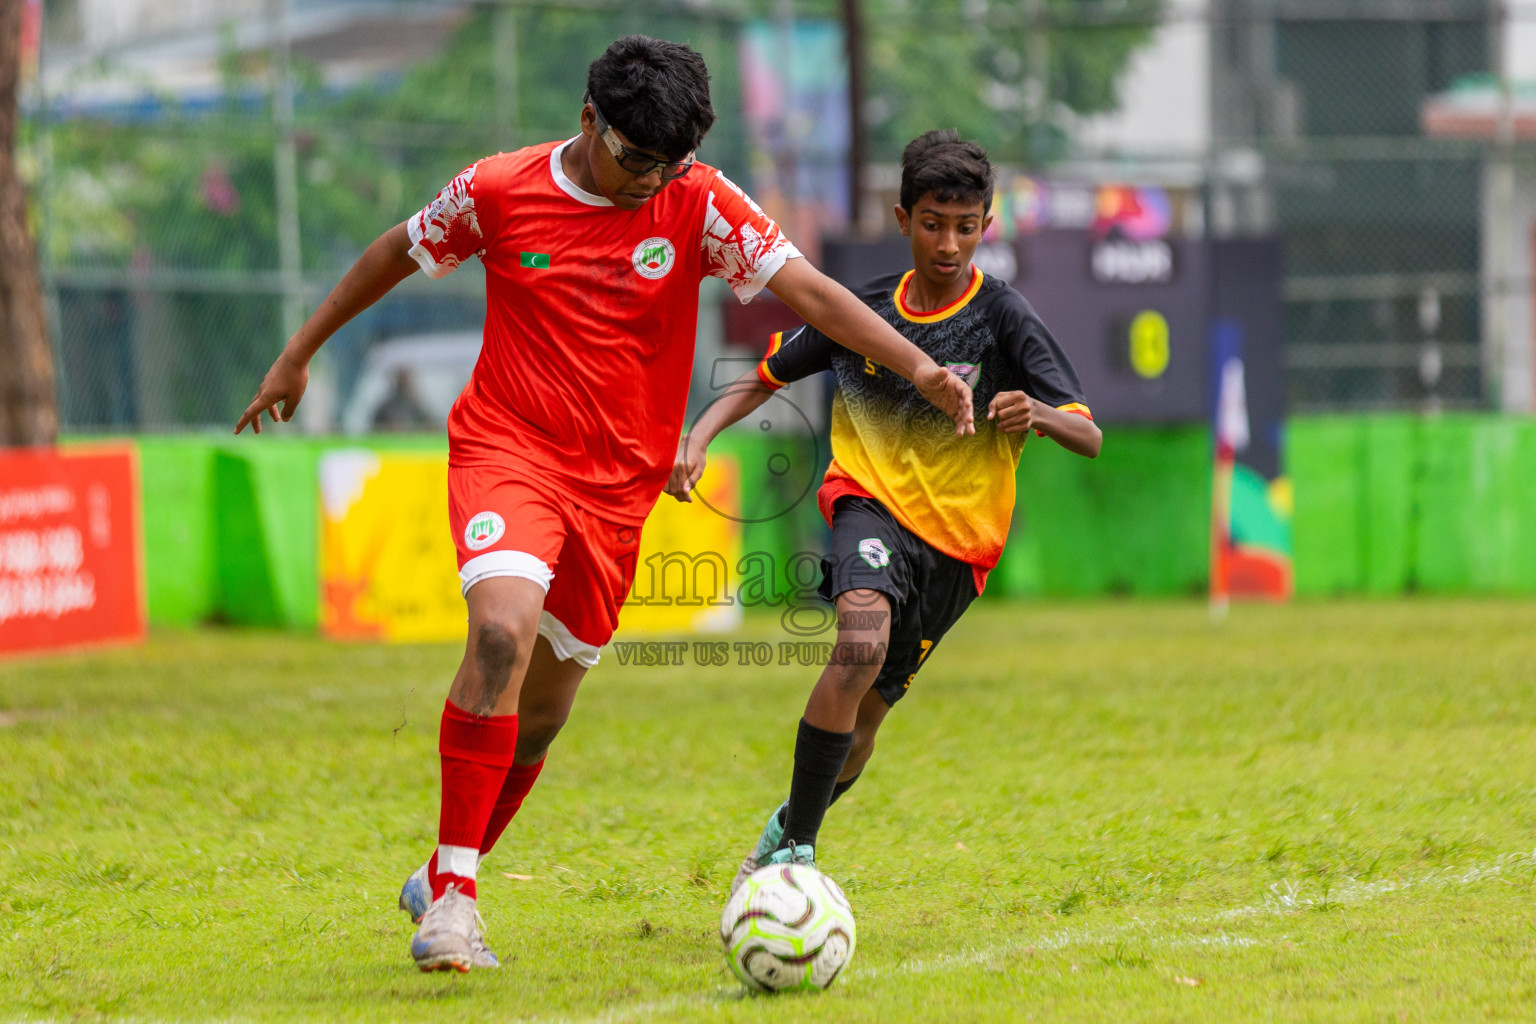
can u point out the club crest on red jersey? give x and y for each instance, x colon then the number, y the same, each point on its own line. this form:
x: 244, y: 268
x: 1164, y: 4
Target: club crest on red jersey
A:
x: 653, y: 258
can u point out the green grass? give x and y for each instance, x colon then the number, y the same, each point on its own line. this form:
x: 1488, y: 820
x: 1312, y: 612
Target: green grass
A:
x: 1081, y: 812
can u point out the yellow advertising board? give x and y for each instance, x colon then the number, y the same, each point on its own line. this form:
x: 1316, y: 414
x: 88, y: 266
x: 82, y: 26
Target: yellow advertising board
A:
x: 685, y: 573
x: 387, y: 561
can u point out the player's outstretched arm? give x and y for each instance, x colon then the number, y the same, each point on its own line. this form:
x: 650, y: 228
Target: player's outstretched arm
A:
x: 1015, y: 412
x: 383, y: 265
x: 742, y: 398
x: 836, y: 312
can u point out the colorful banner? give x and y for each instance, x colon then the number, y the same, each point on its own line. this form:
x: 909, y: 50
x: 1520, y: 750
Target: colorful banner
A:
x: 388, y: 569
x: 387, y: 562
x: 1250, y: 516
x: 71, y: 562
x: 686, y: 570
x: 794, y: 88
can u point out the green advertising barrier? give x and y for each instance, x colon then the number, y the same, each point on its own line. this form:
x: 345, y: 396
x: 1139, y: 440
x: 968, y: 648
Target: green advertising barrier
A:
x: 1324, y: 458
x: 180, y: 565
x: 1136, y: 520
x: 232, y: 523
x: 1384, y: 505
x: 1395, y: 504
x: 232, y: 526
x: 1475, y: 502
x: 779, y: 476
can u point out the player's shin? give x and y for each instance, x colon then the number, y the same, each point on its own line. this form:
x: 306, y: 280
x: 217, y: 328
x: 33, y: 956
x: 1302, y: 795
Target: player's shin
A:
x: 819, y: 759
x: 476, y: 754
x: 782, y: 814
x: 774, y: 830
x: 520, y: 779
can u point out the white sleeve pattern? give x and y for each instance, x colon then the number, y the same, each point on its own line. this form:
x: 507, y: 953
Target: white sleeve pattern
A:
x: 447, y: 232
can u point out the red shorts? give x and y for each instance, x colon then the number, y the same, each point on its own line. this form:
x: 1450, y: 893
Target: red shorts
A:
x: 506, y: 524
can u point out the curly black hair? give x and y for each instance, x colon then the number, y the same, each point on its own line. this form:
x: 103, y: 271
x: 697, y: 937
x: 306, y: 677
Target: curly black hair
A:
x: 655, y: 92
x: 938, y: 162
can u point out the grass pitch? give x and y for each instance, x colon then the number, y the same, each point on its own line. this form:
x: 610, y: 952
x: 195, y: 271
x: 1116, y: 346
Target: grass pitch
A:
x: 1081, y: 812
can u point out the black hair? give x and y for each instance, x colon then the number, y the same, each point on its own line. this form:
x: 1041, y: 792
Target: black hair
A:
x: 938, y: 162
x: 655, y: 92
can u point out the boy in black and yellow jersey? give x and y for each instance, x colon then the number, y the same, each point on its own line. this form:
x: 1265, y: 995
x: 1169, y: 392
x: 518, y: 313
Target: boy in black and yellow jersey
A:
x: 919, y: 514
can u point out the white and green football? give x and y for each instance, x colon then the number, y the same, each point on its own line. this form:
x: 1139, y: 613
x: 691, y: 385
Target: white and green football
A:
x: 788, y: 927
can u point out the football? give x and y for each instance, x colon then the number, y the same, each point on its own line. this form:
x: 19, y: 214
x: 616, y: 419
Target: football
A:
x: 788, y: 927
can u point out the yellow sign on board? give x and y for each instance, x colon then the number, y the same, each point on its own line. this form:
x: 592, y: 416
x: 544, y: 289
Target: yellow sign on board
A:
x: 1149, y: 344
x: 387, y: 562
x: 388, y: 569
x: 686, y: 570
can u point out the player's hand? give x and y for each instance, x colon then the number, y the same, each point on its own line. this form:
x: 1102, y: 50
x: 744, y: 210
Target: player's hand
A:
x: 284, y: 383
x: 949, y: 393
x: 1013, y: 411
x: 686, y: 469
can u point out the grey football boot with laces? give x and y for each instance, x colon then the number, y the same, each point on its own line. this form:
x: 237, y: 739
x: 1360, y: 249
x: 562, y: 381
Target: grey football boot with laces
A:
x: 449, y: 932
x: 479, y: 951
x: 416, y: 900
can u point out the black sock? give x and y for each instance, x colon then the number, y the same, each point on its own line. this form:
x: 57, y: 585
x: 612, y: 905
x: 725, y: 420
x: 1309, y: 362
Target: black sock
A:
x: 837, y: 791
x: 819, y: 758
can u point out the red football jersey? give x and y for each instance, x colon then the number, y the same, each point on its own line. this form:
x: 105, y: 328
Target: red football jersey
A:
x: 591, y: 313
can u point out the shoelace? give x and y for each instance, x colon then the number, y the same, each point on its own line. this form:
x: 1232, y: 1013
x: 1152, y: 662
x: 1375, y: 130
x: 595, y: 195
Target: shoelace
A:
x: 477, y: 941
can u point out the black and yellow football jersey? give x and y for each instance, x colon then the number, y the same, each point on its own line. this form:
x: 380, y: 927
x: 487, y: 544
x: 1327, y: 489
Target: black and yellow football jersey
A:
x: 890, y: 444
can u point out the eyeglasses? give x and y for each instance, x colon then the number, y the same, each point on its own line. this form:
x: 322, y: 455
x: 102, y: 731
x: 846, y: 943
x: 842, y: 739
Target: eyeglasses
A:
x: 635, y: 162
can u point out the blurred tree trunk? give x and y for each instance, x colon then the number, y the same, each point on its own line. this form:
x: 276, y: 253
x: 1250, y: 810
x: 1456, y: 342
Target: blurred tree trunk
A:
x: 28, y: 403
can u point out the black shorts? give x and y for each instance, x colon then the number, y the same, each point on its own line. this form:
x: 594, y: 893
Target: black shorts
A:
x: 928, y: 589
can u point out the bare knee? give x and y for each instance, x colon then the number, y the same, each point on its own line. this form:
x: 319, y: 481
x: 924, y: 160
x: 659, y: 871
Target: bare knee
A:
x: 855, y: 665
x: 872, y: 711
x: 497, y: 653
x: 536, y: 730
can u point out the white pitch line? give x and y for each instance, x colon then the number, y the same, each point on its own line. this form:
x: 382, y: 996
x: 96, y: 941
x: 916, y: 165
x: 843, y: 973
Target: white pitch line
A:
x: 1283, y: 899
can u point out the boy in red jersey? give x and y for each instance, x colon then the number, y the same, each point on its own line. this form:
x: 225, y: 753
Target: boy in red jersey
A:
x: 593, y: 249
x: 918, y: 516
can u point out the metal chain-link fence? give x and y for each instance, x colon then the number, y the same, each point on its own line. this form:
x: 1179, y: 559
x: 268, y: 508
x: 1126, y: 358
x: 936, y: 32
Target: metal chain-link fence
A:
x: 184, y: 236
x: 183, y: 233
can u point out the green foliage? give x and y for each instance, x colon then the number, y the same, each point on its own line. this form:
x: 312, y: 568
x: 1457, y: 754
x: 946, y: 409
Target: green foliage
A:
x: 973, y: 66
x: 1082, y: 811
x: 129, y: 191
x: 184, y: 193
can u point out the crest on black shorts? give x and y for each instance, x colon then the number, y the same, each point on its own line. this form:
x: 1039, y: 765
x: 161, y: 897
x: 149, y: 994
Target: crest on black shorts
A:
x: 875, y: 553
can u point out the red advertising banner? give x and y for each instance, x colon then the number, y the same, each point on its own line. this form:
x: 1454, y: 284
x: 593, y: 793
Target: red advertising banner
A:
x: 70, y: 552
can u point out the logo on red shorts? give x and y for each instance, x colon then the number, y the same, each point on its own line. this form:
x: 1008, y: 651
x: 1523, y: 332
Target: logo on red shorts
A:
x: 484, y: 529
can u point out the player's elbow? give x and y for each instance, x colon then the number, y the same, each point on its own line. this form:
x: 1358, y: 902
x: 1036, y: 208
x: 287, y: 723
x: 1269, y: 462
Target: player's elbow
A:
x: 1091, y: 442
x: 1095, y: 444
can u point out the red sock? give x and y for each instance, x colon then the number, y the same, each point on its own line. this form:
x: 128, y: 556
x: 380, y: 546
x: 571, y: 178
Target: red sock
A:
x: 476, y: 753
x: 520, y: 779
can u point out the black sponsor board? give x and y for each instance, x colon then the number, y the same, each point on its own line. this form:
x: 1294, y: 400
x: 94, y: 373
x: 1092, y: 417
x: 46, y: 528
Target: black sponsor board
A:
x: 1144, y: 321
